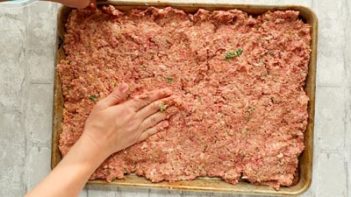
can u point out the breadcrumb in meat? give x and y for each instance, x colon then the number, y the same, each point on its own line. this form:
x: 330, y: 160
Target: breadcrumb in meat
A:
x: 238, y: 118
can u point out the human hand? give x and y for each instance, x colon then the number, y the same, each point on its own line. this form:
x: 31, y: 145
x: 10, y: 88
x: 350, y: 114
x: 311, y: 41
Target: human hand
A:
x: 77, y: 3
x: 115, y: 124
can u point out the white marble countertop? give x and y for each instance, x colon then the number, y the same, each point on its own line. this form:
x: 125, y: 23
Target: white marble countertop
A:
x: 27, y: 53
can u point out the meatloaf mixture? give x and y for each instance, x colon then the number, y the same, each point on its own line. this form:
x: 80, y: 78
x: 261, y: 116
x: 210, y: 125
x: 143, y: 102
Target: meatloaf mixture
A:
x: 240, y: 80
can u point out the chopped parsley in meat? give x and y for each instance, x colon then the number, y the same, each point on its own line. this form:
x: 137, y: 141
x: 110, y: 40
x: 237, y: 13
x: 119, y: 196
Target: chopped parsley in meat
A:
x: 232, y: 54
x: 169, y: 79
x: 93, y: 98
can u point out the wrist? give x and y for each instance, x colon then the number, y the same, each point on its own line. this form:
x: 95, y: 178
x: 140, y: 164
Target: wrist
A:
x: 90, y: 146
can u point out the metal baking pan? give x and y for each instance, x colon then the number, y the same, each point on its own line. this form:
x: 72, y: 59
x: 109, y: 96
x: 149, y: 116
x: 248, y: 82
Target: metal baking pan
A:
x: 203, y: 184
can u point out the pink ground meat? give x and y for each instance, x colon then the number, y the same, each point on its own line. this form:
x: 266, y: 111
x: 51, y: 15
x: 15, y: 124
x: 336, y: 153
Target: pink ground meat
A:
x: 240, y: 80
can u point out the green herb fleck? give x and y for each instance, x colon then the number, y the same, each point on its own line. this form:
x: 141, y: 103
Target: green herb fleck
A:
x: 163, y: 107
x: 93, y: 98
x: 271, y: 53
x: 229, y: 55
x: 248, y: 113
x: 239, y: 51
x: 232, y: 54
x: 169, y: 79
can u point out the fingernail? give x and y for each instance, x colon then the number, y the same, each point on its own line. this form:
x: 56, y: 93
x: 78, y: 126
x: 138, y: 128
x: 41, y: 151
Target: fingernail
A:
x: 168, y: 91
x: 165, y: 124
x: 123, y: 87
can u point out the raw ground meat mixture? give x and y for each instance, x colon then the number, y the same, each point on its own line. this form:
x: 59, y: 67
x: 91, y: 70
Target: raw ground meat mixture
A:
x: 239, y: 80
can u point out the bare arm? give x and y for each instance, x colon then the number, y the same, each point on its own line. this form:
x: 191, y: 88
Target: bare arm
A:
x: 69, y: 177
x: 76, y: 3
x: 113, y: 125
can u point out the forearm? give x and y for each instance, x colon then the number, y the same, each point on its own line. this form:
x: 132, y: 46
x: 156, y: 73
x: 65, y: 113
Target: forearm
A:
x: 113, y: 125
x: 71, y: 174
x: 74, y: 3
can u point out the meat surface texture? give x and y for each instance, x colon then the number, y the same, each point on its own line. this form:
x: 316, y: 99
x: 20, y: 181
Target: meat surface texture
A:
x: 240, y: 80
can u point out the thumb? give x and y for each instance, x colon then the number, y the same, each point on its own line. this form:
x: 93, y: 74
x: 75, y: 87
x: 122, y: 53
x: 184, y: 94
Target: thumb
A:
x: 118, y: 95
x: 75, y: 3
